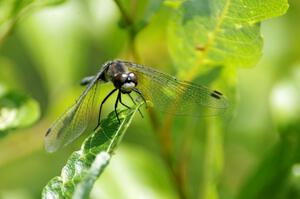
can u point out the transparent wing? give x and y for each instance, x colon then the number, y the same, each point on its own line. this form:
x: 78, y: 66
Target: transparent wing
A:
x: 177, y: 97
x: 73, y: 122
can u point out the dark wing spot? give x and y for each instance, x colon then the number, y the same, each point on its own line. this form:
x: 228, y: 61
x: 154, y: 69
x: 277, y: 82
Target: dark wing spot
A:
x: 48, y: 131
x: 216, y: 95
x: 86, y: 80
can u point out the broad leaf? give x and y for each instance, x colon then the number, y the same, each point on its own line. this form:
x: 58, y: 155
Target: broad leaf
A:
x: 219, y: 32
x: 84, y: 166
x: 16, y: 111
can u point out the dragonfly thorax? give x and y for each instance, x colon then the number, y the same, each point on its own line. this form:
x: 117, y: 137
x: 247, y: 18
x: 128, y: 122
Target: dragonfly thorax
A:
x: 126, y: 82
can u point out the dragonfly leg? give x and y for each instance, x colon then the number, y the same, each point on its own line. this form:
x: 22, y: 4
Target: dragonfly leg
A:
x: 116, y: 106
x: 135, y: 103
x: 100, y: 109
x: 120, y: 100
x: 141, y: 94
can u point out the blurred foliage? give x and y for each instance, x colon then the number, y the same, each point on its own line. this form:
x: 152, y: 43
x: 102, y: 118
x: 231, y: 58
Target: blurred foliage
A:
x: 14, y: 10
x: 250, y: 152
x: 16, y: 111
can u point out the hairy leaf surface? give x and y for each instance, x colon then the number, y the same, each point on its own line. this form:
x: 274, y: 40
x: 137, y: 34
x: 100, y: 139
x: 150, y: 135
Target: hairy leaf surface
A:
x: 84, y: 166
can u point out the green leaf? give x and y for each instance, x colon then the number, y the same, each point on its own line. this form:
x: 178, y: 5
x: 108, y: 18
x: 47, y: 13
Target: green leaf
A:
x: 84, y: 166
x: 16, y: 111
x: 219, y: 32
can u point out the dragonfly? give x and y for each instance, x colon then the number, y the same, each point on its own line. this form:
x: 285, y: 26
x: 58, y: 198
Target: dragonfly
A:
x: 163, y: 92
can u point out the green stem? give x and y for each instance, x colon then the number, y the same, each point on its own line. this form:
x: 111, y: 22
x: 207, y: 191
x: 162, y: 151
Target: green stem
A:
x: 7, y: 30
x: 132, y: 45
x: 125, y: 16
x: 213, y: 160
x: 163, y: 132
x: 132, y: 33
x: 164, y: 137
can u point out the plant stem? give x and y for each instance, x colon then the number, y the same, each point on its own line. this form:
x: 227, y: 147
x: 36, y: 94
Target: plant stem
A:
x: 125, y: 16
x: 7, y: 30
x: 164, y: 137
x: 213, y: 160
x: 163, y: 133
x: 132, y: 45
x: 132, y: 33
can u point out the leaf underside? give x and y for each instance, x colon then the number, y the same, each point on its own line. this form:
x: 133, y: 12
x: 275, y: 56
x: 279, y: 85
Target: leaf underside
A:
x: 220, y: 32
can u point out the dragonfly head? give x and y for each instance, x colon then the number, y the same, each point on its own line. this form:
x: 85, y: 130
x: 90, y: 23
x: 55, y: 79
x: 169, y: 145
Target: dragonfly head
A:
x: 125, y: 82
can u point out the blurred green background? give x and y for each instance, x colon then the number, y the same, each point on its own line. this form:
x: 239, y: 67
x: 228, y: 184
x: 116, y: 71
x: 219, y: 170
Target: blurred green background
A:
x: 50, y: 49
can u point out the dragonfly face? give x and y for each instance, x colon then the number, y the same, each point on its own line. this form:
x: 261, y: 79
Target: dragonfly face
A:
x: 125, y: 82
x: 165, y: 92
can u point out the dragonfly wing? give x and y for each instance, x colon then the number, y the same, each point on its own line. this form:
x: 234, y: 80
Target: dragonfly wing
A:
x: 73, y: 122
x: 177, y: 97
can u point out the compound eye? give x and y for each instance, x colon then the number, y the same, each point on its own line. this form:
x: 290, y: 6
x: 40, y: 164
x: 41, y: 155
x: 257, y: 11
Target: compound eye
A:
x: 132, y: 77
x: 123, y: 77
